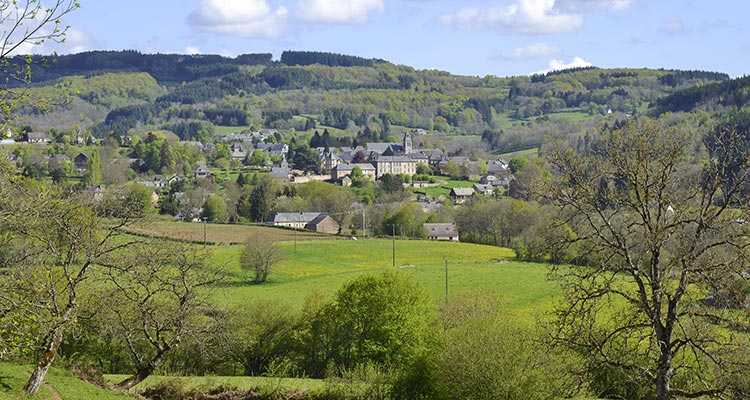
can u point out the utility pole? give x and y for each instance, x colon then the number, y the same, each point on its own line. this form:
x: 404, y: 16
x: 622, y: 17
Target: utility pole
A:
x: 364, y: 229
x: 393, y: 235
x: 204, y: 231
x: 446, y: 280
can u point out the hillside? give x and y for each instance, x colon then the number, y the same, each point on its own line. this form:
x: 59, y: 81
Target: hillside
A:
x: 112, y: 93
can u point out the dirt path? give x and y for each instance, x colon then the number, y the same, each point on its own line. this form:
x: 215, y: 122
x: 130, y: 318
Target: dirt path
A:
x: 55, y: 394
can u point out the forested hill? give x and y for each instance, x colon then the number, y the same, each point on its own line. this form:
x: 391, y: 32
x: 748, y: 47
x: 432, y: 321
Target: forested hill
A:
x: 733, y: 93
x: 193, y: 94
x: 176, y: 67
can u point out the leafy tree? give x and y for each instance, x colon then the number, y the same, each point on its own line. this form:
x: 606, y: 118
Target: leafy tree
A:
x: 384, y: 319
x: 261, y: 197
x: 359, y: 157
x: 93, y: 174
x: 261, y: 336
x: 407, y: 220
x: 517, y: 163
x: 257, y: 158
x: 215, y: 209
x: 392, y: 183
x: 306, y: 158
x: 667, y: 238
x: 259, y: 255
x: 485, y: 354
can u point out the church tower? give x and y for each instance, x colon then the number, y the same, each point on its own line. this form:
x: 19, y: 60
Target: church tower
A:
x: 407, y: 143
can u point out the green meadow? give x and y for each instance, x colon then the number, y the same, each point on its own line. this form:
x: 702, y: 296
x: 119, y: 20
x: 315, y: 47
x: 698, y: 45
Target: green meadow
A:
x: 327, y: 265
x: 60, y: 384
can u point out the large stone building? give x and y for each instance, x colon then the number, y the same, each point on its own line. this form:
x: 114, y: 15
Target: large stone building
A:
x: 395, y: 165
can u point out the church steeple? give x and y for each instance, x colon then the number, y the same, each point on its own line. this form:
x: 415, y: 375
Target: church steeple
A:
x: 407, y: 143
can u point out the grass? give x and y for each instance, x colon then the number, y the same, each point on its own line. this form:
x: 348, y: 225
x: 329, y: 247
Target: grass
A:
x: 218, y: 233
x: 225, y: 130
x: 444, y: 187
x: 531, y: 154
x: 13, y: 377
x: 327, y: 265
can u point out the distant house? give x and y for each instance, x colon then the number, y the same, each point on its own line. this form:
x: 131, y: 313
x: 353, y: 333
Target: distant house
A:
x: 282, y: 173
x: 37, y: 137
x: 460, y: 195
x: 435, y: 157
x: 157, y: 181
x: 323, y: 223
x: 297, y: 220
x: 238, y: 151
x: 328, y: 160
x: 202, y: 172
x: 342, y: 170
x: 81, y: 162
x: 497, y: 167
x: 484, y: 189
x: 442, y: 232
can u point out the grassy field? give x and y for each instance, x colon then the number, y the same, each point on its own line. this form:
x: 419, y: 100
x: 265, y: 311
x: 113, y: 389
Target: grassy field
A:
x: 61, y: 384
x: 327, y: 262
x: 219, y: 233
x: 444, y: 187
x: 531, y: 154
x: 327, y: 265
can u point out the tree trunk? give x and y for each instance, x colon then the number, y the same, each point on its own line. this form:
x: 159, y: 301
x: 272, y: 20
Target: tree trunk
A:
x: 143, y: 372
x: 663, y: 376
x: 37, y: 377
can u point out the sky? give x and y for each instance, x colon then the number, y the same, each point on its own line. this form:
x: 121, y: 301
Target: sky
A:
x: 471, y: 37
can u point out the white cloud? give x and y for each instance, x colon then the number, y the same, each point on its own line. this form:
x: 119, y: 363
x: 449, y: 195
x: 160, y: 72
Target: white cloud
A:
x: 536, y: 50
x: 556, y: 65
x: 529, y: 17
x: 338, y: 11
x: 243, y: 18
x: 77, y: 41
x: 192, y: 50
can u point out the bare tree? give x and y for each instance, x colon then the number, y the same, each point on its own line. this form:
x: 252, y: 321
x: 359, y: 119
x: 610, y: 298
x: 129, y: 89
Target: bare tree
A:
x: 656, y: 235
x: 259, y: 255
x: 53, y: 241
x: 157, y: 298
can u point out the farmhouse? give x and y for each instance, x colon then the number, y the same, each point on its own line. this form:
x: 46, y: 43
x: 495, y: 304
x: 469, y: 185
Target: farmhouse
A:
x: 323, y: 223
x: 202, y: 172
x: 37, y: 137
x: 81, y: 162
x: 460, y: 195
x: 342, y: 170
x: 296, y: 220
x: 442, y: 232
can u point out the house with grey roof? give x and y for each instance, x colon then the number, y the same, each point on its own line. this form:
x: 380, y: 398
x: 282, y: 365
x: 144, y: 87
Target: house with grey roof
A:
x: 460, y: 195
x: 297, y: 220
x: 447, y: 232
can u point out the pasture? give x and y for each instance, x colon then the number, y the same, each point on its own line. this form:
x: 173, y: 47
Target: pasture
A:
x: 217, y: 234
x: 327, y: 265
x: 60, y: 384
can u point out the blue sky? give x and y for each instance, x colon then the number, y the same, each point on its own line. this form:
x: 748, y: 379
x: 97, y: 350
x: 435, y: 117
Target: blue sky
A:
x: 472, y: 37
